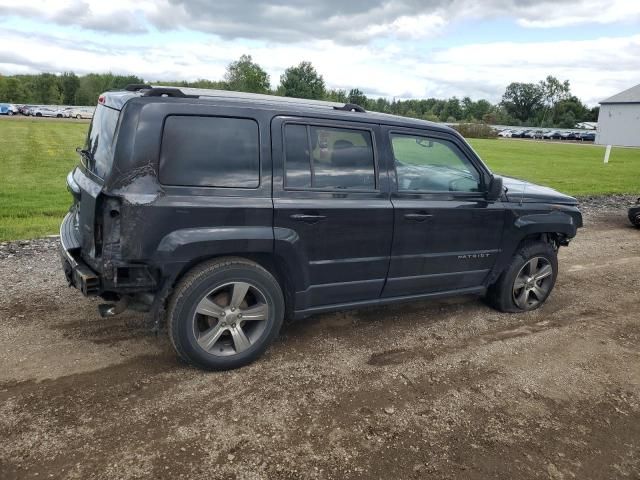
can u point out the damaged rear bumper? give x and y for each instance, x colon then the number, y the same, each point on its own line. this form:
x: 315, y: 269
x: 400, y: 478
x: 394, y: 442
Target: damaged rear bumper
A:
x: 76, y: 271
x: 115, y: 277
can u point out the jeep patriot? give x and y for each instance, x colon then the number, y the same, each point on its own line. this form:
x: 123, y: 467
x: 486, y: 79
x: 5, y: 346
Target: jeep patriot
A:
x: 224, y: 213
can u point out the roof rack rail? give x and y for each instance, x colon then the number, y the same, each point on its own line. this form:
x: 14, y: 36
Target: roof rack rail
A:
x: 351, y: 107
x: 134, y: 87
x: 168, y: 91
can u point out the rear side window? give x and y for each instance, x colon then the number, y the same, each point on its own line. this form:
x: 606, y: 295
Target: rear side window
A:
x: 210, y: 152
x: 328, y: 158
x: 99, y: 144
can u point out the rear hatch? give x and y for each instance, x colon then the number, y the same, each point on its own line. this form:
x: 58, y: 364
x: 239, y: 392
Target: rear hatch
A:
x: 86, y: 181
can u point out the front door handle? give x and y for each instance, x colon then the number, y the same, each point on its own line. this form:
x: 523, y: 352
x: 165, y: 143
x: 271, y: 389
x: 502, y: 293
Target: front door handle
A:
x: 307, y: 218
x: 417, y: 217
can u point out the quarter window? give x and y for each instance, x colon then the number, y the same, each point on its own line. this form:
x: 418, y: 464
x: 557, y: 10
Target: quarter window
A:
x: 432, y: 165
x: 99, y: 144
x: 328, y: 158
x: 210, y: 152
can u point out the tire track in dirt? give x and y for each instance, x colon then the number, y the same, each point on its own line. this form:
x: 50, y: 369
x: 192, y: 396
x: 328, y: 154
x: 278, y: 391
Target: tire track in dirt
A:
x: 445, y: 389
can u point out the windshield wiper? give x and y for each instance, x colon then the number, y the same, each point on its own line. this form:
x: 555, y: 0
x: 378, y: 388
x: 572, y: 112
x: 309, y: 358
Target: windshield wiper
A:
x: 85, y: 154
x: 83, y: 151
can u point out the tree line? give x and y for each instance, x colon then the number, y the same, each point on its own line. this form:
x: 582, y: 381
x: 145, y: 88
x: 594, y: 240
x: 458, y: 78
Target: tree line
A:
x: 548, y: 103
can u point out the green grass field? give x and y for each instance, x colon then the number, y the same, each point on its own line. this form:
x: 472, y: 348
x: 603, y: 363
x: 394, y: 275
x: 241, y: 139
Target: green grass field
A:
x: 35, y: 157
x: 575, y: 169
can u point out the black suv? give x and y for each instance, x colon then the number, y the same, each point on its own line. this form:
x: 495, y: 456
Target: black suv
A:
x: 225, y: 213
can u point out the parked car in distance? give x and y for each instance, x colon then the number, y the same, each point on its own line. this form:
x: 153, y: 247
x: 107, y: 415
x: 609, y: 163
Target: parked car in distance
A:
x: 59, y: 112
x: 587, y: 137
x: 568, y: 136
x: 47, y: 111
x: 8, y: 109
x: 82, y: 112
x: 517, y: 133
x: 225, y: 212
x: 505, y: 133
x: 40, y: 111
x: 552, y: 134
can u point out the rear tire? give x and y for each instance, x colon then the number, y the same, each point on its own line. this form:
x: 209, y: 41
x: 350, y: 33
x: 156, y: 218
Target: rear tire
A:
x: 527, y: 281
x: 225, y: 313
x: 635, y: 219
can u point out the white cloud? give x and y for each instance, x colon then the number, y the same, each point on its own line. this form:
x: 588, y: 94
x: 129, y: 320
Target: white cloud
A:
x: 342, y: 39
x: 582, y: 12
x: 346, y: 22
x: 596, y: 68
x: 414, y: 27
x: 117, y: 16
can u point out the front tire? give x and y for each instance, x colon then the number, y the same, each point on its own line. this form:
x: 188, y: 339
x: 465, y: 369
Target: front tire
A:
x: 225, y: 313
x: 527, y: 281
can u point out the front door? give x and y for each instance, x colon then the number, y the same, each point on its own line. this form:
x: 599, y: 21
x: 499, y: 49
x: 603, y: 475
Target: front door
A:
x: 329, y: 197
x: 446, y: 234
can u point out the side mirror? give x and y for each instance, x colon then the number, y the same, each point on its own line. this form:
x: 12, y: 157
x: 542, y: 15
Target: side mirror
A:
x: 495, y: 188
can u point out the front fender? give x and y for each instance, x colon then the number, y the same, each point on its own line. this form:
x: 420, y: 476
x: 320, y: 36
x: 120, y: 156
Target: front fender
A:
x: 564, y: 222
x: 555, y: 221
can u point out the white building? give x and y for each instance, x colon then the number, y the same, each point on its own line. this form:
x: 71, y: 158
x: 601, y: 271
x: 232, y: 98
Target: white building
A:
x: 619, y: 119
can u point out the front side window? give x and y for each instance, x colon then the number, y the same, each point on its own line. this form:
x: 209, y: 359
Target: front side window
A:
x: 432, y: 165
x: 328, y: 158
x: 210, y: 152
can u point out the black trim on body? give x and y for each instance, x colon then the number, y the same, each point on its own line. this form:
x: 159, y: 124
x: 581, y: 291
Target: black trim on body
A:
x: 299, y: 314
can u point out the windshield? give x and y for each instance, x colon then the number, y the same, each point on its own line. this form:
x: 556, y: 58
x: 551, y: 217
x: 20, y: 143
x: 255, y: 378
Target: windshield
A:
x: 97, y: 154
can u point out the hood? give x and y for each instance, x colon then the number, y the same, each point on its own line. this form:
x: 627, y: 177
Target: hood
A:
x: 523, y: 191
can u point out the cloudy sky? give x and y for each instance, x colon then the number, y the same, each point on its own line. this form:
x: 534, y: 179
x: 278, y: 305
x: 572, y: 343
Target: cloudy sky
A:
x: 391, y: 48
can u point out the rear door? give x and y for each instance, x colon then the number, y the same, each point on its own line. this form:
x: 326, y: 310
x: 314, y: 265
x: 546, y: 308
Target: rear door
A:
x: 446, y: 234
x: 86, y: 181
x: 331, y: 199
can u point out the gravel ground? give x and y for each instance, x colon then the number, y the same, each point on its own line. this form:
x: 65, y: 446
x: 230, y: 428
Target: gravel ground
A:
x: 446, y: 389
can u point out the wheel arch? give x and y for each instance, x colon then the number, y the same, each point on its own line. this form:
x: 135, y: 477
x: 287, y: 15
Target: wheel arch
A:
x: 500, y: 289
x: 556, y: 239
x: 554, y: 233
x: 181, y: 250
x: 266, y: 260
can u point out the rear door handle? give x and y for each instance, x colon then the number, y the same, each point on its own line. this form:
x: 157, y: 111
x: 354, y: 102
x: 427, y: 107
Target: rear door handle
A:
x: 307, y: 218
x: 417, y: 217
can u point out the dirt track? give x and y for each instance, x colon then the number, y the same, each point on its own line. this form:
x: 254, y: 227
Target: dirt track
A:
x: 437, y: 390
